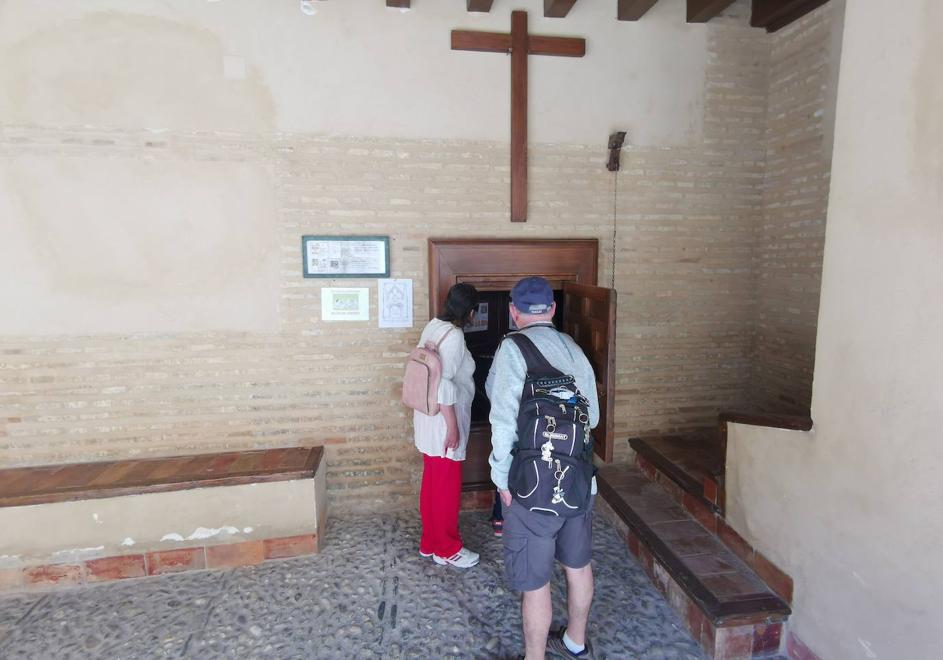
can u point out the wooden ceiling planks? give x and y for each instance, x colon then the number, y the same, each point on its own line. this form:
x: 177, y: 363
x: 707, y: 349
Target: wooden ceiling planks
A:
x: 479, y: 5
x: 557, y: 8
x: 776, y: 14
x: 771, y: 15
x: 633, y: 10
x: 701, y: 11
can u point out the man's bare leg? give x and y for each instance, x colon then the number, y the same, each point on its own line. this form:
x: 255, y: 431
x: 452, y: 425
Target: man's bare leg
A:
x: 537, y: 612
x: 579, y: 596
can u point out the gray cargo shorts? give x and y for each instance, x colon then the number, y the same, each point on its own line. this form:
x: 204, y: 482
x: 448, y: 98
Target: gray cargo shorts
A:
x: 532, y: 541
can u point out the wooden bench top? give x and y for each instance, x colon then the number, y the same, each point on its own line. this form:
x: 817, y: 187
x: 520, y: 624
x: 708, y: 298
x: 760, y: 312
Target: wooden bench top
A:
x: 83, y: 481
x: 724, y: 588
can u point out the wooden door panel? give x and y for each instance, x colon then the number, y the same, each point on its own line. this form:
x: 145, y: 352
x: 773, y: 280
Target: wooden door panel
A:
x: 476, y: 471
x: 497, y: 264
x: 590, y: 318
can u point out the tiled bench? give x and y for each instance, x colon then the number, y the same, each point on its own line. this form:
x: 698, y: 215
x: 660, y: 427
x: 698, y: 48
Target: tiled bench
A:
x: 93, y: 522
x: 724, y: 604
x: 689, y: 465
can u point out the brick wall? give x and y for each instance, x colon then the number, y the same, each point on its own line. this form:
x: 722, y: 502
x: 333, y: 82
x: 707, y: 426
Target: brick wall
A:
x: 684, y: 260
x: 790, y: 237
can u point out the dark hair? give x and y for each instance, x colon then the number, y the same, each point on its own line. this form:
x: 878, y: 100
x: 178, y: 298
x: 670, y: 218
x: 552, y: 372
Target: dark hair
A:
x: 461, y: 301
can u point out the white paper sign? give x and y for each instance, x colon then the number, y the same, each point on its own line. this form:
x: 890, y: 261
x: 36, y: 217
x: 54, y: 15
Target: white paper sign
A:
x: 345, y: 304
x: 395, y: 303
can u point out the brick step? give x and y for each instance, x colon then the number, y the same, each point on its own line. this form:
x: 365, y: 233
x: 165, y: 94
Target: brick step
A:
x: 689, y: 464
x: 726, y: 607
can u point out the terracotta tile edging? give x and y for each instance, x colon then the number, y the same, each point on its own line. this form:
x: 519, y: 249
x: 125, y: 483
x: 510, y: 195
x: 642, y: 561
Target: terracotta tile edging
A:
x: 776, y: 578
x: 740, y: 640
x: 158, y: 562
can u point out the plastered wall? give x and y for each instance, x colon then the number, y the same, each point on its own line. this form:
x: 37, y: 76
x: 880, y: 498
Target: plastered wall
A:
x: 185, y: 163
x: 852, y: 510
x: 352, y: 69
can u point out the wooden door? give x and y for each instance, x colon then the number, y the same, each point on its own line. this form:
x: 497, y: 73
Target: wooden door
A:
x: 590, y: 318
x: 496, y: 265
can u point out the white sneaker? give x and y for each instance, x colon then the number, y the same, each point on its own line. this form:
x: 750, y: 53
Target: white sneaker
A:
x: 464, y: 558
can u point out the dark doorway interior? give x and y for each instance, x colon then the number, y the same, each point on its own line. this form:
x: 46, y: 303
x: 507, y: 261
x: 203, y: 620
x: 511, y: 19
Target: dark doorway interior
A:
x: 584, y: 311
x: 483, y: 343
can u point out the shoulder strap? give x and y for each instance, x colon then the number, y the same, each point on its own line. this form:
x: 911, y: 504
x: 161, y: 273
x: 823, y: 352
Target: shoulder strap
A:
x: 537, y: 364
x: 442, y: 338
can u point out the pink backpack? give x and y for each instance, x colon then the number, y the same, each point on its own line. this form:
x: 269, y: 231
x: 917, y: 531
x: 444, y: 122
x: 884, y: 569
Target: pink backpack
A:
x: 422, y: 377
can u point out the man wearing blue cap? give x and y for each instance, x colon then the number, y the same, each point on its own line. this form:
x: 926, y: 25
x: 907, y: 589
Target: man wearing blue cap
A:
x: 533, y: 541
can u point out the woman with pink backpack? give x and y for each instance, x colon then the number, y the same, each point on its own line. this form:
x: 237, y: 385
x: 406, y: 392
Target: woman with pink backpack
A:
x: 439, y: 385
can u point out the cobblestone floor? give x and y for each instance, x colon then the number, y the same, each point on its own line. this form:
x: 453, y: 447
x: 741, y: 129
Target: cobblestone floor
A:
x: 368, y: 594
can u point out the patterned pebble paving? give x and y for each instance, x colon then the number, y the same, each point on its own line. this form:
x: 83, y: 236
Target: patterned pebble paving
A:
x: 368, y: 594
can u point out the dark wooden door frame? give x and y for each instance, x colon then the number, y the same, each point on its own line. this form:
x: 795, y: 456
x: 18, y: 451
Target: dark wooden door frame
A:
x: 482, y: 262
x: 486, y: 263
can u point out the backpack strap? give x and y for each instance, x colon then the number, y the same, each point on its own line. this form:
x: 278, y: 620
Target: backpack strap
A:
x: 435, y: 346
x: 537, y: 364
x: 442, y: 339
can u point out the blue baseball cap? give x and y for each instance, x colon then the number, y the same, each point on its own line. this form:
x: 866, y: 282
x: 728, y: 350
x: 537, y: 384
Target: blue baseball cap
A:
x: 532, y: 295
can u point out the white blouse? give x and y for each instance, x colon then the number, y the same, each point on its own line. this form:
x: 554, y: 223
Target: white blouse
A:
x: 457, y: 388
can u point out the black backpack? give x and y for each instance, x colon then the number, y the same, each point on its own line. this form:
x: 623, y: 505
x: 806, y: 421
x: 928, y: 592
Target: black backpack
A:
x: 552, y: 466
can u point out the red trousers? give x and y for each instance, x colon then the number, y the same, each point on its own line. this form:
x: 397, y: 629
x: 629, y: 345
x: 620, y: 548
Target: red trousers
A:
x: 439, y: 500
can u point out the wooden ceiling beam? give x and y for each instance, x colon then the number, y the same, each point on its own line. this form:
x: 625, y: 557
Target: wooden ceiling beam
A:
x: 398, y: 4
x: 479, y: 5
x: 701, y: 11
x: 557, y: 8
x: 776, y: 14
x: 632, y: 10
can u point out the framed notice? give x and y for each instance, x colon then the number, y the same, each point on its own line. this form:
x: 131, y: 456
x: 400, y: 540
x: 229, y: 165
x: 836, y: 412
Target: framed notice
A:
x: 480, y: 322
x: 345, y: 304
x: 345, y: 256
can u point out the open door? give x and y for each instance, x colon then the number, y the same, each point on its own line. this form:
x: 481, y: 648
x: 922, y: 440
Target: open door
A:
x: 590, y: 318
x: 494, y: 266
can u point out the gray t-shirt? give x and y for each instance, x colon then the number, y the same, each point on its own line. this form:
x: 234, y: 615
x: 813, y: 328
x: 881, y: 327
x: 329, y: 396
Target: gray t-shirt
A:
x: 506, y: 380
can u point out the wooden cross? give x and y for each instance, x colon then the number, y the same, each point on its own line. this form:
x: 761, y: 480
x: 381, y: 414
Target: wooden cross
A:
x: 519, y: 44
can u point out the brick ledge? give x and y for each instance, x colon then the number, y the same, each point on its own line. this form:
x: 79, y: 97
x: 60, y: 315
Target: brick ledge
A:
x: 736, y: 639
x: 155, y: 563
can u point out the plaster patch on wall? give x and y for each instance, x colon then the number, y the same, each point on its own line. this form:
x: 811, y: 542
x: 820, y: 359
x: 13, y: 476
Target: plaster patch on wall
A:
x: 246, y: 530
x: 10, y: 561
x: 205, y: 533
x: 117, y: 262
x: 97, y: 519
x: 127, y: 70
x: 201, y: 533
x: 867, y: 648
x: 128, y: 541
x: 76, y: 554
